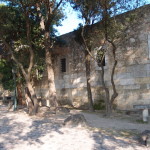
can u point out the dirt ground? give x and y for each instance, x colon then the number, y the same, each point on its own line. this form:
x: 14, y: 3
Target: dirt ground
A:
x: 19, y: 131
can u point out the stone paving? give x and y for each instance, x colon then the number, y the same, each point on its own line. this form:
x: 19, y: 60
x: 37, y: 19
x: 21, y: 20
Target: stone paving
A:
x: 19, y: 131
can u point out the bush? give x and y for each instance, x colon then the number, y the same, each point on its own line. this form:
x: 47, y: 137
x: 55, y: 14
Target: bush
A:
x: 99, y: 105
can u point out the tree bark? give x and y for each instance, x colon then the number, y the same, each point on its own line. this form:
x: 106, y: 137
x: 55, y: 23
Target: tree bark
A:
x: 29, y: 102
x: 45, y: 23
x: 107, y: 94
x: 19, y: 94
x: 87, y: 52
x: 88, y: 77
x: 33, y: 98
x: 109, y: 101
x: 50, y: 76
x: 26, y: 76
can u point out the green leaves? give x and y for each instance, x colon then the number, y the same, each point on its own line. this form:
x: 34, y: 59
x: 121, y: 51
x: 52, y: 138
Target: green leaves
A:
x: 6, y: 75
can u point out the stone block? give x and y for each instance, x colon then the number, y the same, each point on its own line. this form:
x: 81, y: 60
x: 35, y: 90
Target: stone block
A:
x: 148, y: 86
x: 145, y: 95
x: 127, y: 81
x: 66, y: 77
x: 149, y: 46
x: 81, y: 74
x: 142, y: 80
x: 132, y: 87
x: 132, y: 40
x: 142, y: 37
x: 72, y: 76
x: 126, y: 75
x: 68, y: 85
x: 62, y: 110
x: 148, y: 73
x: 140, y: 74
x: 141, y: 67
x: 148, y: 67
x: 75, y: 120
x: 81, y: 85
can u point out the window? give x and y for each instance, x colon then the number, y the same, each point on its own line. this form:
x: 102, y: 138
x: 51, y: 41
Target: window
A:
x: 101, y: 62
x: 63, y: 64
x: 100, y: 57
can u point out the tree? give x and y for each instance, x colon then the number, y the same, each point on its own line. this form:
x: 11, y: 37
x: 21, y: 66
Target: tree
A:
x: 37, y: 18
x: 89, y: 14
x: 112, y: 29
x: 6, y: 75
x: 108, y: 29
x: 46, y: 20
x: 20, y: 33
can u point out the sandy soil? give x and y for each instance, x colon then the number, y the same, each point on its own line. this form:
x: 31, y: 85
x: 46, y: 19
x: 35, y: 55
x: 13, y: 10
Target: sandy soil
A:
x: 19, y: 131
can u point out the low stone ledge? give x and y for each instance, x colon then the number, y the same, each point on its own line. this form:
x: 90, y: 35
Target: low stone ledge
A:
x: 62, y: 110
x: 75, y: 121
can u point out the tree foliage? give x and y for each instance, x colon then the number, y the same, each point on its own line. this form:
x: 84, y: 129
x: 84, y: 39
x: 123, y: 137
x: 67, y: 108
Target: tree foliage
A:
x: 103, y: 36
x: 6, y: 75
x: 22, y: 36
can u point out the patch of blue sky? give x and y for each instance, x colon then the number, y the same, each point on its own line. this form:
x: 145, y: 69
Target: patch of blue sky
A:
x: 72, y: 21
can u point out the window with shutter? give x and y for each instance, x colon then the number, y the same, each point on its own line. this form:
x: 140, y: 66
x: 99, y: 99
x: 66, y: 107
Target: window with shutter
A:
x: 63, y: 65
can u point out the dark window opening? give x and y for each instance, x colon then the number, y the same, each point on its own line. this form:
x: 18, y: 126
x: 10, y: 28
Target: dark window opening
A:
x: 100, y: 58
x: 99, y: 62
x: 63, y: 65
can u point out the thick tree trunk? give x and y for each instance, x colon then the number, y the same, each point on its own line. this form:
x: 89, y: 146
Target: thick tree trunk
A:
x: 106, y: 16
x: 87, y: 52
x: 29, y: 102
x: 109, y: 101
x: 88, y: 77
x: 19, y: 94
x: 108, y: 109
x: 50, y: 76
x: 33, y: 98
x: 45, y: 23
x: 107, y: 94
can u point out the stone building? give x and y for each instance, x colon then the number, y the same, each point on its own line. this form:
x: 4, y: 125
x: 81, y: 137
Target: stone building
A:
x: 132, y: 75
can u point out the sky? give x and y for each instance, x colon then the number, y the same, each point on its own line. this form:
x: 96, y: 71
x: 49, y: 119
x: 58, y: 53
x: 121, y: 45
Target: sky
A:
x: 73, y: 21
x: 70, y: 23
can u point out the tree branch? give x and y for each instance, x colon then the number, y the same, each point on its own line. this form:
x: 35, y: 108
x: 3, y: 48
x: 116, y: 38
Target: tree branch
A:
x: 55, y: 9
x: 26, y: 14
x: 115, y: 94
x: 13, y: 57
x: 86, y: 47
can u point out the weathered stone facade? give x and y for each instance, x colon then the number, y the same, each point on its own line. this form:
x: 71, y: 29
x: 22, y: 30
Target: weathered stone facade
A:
x: 132, y: 75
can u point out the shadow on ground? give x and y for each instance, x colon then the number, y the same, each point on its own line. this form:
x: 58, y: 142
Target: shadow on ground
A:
x: 30, y: 131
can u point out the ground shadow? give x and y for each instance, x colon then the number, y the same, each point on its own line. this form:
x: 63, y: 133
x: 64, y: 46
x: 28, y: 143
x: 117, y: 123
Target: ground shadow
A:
x: 11, y: 132
x: 107, y: 141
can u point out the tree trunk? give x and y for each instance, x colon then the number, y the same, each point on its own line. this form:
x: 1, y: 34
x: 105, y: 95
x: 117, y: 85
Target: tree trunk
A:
x: 108, y: 109
x: 19, y: 94
x: 88, y: 77
x: 107, y: 94
x: 33, y: 98
x: 50, y: 76
x: 45, y: 23
x: 29, y: 102
x: 87, y: 52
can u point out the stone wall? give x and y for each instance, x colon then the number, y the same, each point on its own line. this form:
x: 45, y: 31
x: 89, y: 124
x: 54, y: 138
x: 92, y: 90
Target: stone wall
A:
x: 133, y: 71
x: 132, y: 75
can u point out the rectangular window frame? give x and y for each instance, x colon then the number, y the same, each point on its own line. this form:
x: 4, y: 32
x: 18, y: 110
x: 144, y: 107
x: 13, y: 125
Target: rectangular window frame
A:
x: 63, y: 65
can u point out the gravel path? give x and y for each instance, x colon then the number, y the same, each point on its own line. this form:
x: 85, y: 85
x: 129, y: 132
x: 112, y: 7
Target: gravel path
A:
x: 115, y: 123
x: 18, y: 131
